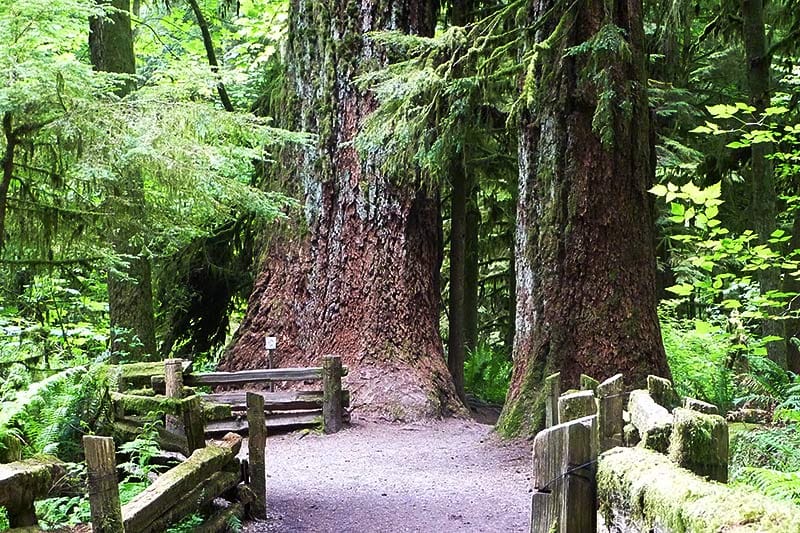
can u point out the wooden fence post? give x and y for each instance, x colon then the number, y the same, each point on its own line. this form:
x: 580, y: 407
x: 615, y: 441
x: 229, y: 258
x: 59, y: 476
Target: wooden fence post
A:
x: 552, y: 386
x: 332, y: 393
x: 564, y: 496
x: 173, y: 378
x: 256, y: 447
x: 576, y: 405
x: 194, y: 423
x: 101, y: 469
x: 611, y: 403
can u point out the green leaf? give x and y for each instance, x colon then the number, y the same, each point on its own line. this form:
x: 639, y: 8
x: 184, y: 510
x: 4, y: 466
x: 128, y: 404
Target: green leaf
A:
x: 658, y: 190
x: 682, y: 289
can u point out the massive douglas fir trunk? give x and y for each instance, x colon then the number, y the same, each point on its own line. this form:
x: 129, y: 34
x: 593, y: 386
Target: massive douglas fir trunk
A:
x: 585, y: 259
x: 363, y: 283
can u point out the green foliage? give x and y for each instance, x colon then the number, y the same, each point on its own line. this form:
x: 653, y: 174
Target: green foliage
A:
x: 187, y: 525
x: 52, y: 415
x: 780, y: 485
x: 4, y: 519
x: 697, y: 352
x: 486, y: 374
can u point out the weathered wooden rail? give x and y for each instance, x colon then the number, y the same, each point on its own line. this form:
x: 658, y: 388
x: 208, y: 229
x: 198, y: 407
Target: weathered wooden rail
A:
x: 223, y: 412
x: 22, y: 483
x: 211, y: 472
x: 661, y: 465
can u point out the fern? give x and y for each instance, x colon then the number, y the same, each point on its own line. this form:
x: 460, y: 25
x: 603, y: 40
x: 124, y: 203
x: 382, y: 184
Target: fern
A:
x: 774, y: 483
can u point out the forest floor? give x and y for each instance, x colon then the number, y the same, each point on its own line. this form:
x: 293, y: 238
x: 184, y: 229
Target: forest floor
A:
x: 445, y: 476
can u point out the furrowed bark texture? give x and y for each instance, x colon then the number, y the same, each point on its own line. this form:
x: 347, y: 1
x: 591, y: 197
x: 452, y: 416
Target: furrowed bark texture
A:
x: 364, y: 283
x: 585, y: 255
x: 130, y: 292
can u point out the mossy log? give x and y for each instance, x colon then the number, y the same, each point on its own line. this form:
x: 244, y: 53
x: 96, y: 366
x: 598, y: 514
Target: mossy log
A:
x: 125, y: 404
x: 23, y: 482
x: 639, y: 490
x: 699, y: 443
x: 662, y: 392
x: 140, y: 514
x: 138, y: 375
x: 220, y: 522
x: 651, y: 419
x: 194, y: 500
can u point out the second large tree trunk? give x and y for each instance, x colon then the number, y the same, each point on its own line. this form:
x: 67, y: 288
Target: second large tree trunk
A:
x: 363, y: 283
x: 585, y: 258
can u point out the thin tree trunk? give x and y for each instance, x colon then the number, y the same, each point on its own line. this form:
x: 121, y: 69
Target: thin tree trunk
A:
x: 8, y: 171
x: 456, y: 339
x: 585, y: 258
x: 208, y: 43
x: 130, y: 293
x: 471, y: 266
x: 762, y: 205
x: 364, y: 282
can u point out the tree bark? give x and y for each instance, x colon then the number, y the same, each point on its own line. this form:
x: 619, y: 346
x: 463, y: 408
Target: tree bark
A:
x: 130, y: 293
x: 585, y: 257
x: 208, y: 43
x: 8, y: 171
x: 456, y: 331
x: 762, y: 206
x: 363, y: 283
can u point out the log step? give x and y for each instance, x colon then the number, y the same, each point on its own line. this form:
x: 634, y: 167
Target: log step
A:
x: 275, y: 401
x: 286, y: 420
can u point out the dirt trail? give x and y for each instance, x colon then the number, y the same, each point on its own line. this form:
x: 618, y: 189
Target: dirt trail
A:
x: 445, y: 476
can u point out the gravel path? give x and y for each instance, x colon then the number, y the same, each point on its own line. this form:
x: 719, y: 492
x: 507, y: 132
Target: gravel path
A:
x: 445, y: 476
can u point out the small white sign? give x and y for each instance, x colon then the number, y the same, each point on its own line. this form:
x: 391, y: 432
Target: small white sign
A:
x: 270, y: 343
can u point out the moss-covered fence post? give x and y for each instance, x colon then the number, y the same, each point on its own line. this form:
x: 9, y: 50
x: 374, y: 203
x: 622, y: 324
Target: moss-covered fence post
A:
x: 611, y: 403
x: 256, y: 448
x: 101, y: 469
x: 173, y: 379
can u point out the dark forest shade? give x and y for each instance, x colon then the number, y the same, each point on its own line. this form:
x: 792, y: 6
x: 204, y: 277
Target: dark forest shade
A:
x: 585, y: 260
x: 363, y: 284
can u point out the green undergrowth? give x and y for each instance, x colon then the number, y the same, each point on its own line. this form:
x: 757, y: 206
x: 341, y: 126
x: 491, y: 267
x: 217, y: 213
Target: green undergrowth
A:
x: 486, y: 374
x: 697, y: 352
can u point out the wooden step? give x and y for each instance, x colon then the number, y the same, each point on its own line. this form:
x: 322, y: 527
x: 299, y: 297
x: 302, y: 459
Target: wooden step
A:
x: 274, y: 401
x: 286, y: 420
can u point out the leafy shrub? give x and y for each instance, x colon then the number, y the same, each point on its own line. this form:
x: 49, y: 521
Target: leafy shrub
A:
x: 775, y: 448
x: 697, y: 352
x: 487, y: 373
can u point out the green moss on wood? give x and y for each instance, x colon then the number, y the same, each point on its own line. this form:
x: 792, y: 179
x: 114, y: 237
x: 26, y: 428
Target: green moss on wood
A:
x: 700, y: 443
x: 654, y: 493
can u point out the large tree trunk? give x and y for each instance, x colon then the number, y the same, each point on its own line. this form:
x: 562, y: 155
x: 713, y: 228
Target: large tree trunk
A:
x: 130, y: 293
x: 363, y: 283
x: 585, y: 245
x: 762, y: 206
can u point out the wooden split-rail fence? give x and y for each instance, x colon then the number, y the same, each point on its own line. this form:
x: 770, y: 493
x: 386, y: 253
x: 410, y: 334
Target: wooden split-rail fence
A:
x: 647, y: 459
x: 143, y: 390
x: 192, y: 421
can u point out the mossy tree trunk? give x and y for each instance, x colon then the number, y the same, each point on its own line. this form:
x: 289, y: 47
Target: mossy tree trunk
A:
x: 464, y: 219
x: 585, y: 258
x: 130, y: 293
x: 363, y: 283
